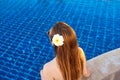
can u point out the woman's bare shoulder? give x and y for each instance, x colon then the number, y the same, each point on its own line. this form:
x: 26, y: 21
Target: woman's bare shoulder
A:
x: 81, y: 52
x: 80, y: 49
x: 49, y: 65
x: 46, y: 73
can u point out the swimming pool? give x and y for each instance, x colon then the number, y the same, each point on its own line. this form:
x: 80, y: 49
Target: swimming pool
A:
x: 24, y: 45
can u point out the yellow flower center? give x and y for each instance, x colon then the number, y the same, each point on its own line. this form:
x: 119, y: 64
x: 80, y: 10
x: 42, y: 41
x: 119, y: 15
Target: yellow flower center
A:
x: 57, y: 40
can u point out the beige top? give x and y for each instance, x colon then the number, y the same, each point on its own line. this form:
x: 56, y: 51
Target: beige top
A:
x: 51, y: 71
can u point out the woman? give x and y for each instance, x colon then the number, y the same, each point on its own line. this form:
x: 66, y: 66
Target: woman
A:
x: 70, y: 61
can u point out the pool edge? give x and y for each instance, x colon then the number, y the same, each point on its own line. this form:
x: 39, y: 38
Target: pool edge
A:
x: 105, y: 66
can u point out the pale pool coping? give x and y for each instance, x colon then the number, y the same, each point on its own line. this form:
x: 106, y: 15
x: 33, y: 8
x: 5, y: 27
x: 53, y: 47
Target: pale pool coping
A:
x: 105, y: 66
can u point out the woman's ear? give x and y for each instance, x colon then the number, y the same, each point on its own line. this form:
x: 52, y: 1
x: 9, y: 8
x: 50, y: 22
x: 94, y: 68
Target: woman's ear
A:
x: 49, y: 34
x: 51, y: 42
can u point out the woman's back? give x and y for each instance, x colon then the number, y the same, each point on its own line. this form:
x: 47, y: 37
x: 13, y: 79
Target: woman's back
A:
x: 51, y: 70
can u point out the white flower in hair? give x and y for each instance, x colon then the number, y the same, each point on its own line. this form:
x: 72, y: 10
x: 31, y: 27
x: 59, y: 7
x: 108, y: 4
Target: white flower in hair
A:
x: 57, y: 40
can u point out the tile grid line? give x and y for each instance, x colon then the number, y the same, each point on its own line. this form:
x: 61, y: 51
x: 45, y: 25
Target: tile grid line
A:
x: 79, y: 20
x: 26, y: 33
x: 106, y: 17
x: 76, y: 9
x: 100, y: 21
x: 7, y: 7
x: 10, y: 36
x: 113, y: 18
x: 10, y: 25
x: 88, y: 11
x: 97, y: 36
x: 18, y: 45
x: 67, y: 17
x: 5, y: 17
x: 53, y: 17
x: 62, y: 11
x: 7, y: 11
x: 78, y: 16
x: 59, y: 8
x: 93, y: 23
x: 102, y: 5
x: 112, y: 31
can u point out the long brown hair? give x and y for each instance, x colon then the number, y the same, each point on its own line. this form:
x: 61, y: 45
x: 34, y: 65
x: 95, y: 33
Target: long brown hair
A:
x: 67, y: 55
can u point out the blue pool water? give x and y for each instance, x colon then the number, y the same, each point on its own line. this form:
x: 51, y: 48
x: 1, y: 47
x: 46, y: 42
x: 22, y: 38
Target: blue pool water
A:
x: 24, y: 45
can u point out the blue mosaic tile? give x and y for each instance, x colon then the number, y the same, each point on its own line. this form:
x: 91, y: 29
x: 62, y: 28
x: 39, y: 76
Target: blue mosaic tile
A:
x: 25, y: 46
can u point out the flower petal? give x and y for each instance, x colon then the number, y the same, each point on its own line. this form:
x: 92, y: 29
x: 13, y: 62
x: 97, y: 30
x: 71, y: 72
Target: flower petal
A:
x: 58, y: 40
